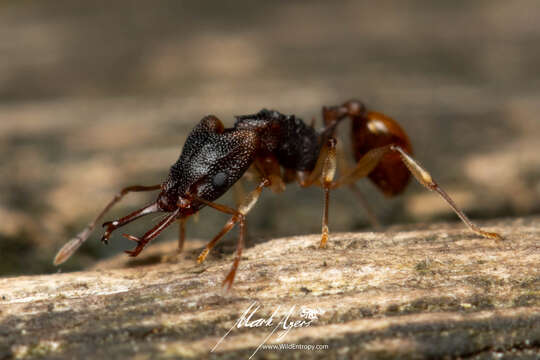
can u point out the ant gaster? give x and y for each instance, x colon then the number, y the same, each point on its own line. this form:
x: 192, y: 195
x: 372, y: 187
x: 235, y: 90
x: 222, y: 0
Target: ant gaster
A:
x: 280, y: 149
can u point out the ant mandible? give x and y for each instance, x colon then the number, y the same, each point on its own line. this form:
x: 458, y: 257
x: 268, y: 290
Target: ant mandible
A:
x: 214, y: 158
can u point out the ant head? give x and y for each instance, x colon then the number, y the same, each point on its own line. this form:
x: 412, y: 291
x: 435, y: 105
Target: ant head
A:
x: 212, y: 160
x: 169, y: 200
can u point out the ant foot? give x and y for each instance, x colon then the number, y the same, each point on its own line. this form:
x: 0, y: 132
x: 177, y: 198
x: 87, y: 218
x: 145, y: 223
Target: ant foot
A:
x: 135, y: 251
x: 202, y: 256
x: 324, y: 238
x: 491, y: 235
x: 131, y: 253
x: 138, y: 248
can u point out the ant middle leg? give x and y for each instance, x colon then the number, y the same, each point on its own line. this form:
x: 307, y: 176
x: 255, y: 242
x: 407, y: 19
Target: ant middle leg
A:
x: 370, y: 160
x: 322, y: 174
x: 327, y: 176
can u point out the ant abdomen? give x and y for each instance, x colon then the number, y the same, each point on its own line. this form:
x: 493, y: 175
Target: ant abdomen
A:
x: 372, y: 130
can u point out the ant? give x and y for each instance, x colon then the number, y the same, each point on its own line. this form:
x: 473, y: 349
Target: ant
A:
x: 280, y: 149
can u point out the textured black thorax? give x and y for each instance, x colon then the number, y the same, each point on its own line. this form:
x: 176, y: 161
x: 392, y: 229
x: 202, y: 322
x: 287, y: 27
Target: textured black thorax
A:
x: 295, y: 145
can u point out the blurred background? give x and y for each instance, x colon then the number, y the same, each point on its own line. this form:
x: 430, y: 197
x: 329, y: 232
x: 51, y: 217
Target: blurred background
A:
x: 95, y: 96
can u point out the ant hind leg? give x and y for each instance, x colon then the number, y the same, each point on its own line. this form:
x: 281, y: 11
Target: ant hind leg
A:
x: 370, y: 160
x: 427, y: 181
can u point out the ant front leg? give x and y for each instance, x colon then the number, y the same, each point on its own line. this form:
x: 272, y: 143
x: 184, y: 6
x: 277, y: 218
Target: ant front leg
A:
x: 370, y: 160
x: 238, y: 216
x: 71, y: 246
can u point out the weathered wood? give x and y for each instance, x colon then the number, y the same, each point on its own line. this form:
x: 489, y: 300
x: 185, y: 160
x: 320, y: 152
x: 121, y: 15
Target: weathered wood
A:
x: 413, y: 293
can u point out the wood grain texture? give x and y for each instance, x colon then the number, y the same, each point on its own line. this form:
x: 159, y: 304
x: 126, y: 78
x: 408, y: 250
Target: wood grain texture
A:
x: 419, y: 292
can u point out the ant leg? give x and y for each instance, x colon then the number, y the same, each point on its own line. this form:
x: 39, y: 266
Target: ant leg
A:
x: 328, y: 173
x: 344, y: 167
x: 181, y: 233
x: 363, y: 202
x: 229, y: 279
x: 425, y: 179
x: 368, y: 162
x: 332, y: 116
x: 363, y: 167
x: 238, y: 216
x: 151, y: 234
x: 71, y: 246
x: 322, y: 174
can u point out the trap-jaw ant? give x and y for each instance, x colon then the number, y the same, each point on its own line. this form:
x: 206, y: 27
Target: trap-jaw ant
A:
x: 280, y: 149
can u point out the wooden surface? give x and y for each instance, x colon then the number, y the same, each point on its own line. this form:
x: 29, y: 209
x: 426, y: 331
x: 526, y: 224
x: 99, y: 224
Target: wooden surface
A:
x: 419, y: 292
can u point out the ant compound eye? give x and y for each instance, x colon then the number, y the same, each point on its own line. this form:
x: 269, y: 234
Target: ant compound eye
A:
x: 219, y: 179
